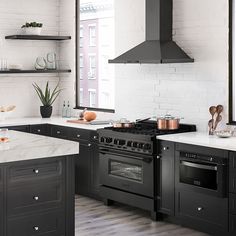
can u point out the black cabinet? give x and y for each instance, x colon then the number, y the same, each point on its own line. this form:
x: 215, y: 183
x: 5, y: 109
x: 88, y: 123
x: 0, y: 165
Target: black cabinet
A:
x: 22, y: 128
x: 37, y: 197
x: 87, y: 161
x: 42, y: 129
x: 1, y: 202
x: 232, y: 190
x: 167, y: 177
x: 201, y: 211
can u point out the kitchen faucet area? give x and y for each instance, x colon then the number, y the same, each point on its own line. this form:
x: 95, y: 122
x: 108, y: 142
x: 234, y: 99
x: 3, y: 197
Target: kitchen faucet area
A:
x: 117, y: 117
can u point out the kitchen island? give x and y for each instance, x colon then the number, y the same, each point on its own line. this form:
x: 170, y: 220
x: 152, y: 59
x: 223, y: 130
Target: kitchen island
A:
x: 37, y: 185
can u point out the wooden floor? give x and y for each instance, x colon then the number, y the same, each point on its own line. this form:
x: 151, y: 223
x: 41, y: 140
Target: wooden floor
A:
x: 93, y: 218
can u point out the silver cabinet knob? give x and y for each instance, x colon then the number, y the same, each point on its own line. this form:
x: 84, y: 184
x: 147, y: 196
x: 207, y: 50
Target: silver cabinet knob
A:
x: 36, y: 171
x: 58, y: 132
x: 36, y: 228
x: 36, y: 198
x: 39, y: 130
x: 78, y: 135
x: 89, y: 145
x: 95, y: 137
x: 165, y: 148
x: 200, y: 208
x: 158, y: 157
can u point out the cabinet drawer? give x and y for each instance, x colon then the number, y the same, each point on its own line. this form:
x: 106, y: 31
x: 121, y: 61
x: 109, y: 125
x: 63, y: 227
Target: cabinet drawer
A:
x: 39, y: 129
x: 49, y: 224
x: 59, y: 132
x: 78, y: 134
x: 34, y: 170
x: 202, y: 208
x: 35, y: 198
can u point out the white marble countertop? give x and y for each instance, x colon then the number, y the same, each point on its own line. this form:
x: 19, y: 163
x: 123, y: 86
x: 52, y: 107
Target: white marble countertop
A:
x: 201, y: 139
x: 25, y: 146
x: 53, y: 121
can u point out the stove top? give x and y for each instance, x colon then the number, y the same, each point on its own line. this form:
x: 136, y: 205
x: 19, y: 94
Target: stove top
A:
x: 141, y: 138
x: 150, y: 128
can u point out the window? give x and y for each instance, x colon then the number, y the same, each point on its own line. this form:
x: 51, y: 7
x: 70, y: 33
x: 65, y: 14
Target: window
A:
x: 92, y: 97
x: 95, y: 45
x: 81, y: 36
x: 232, y: 63
x: 92, y: 35
x: 81, y: 96
x: 92, y: 67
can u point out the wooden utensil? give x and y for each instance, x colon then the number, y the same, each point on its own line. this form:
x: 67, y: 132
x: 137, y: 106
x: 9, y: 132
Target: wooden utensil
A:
x: 210, y: 124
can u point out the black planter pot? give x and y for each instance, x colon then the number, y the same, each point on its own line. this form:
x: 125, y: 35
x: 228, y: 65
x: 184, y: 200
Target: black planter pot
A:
x: 46, y: 111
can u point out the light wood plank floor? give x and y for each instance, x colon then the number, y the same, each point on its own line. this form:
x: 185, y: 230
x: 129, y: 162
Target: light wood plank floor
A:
x: 92, y: 218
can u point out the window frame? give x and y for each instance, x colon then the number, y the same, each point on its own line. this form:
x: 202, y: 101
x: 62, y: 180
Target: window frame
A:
x: 77, y: 66
x: 231, y: 76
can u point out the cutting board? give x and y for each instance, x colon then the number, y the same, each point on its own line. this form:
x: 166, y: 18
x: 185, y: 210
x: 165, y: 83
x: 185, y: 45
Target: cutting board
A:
x: 84, y: 122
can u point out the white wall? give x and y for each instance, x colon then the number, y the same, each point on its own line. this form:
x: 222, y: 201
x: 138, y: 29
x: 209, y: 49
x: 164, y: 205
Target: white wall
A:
x: 15, y: 89
x: 201, y: 29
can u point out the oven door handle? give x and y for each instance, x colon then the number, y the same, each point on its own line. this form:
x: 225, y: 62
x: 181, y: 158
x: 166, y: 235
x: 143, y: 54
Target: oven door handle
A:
x: 200, y: 166
x: 145, y: 159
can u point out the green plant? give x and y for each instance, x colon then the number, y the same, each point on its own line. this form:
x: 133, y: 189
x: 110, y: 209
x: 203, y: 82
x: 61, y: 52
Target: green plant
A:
x: 32, y: 24
x: 47, y: 97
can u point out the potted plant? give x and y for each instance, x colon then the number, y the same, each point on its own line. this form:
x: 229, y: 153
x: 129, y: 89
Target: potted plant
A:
x: 47, y: 98
x: 32, y: 28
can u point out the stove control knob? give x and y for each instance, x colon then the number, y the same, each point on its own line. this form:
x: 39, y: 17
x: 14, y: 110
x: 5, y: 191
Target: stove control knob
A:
x: 129, y: 143
x: 108, y: 140
x: 121, y: 142
x: 135, y: 144
x: 115, y: 141
x: 140, y: 145
x: 102, y: 140
x: 147, y: 146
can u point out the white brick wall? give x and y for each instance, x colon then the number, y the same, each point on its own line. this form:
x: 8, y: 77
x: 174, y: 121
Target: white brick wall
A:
x: 15, y: 89
x: 201, y: 29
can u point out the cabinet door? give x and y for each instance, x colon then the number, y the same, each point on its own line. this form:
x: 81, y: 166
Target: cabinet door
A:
x: 1, y: 211
x: 232, y: 172
x: 82, y: 168
x: 43, y: 129
x: 167, y: 178
x: 95, y: 170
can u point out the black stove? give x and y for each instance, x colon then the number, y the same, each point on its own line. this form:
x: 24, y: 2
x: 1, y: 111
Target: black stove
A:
x: 140, y: 138
x: 128, y: 164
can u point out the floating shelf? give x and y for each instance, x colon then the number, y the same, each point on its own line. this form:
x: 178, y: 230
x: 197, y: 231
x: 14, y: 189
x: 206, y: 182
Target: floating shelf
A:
x: 38, y: 37
x: 33, y: 71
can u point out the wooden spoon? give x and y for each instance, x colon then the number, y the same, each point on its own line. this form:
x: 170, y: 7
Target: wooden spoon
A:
x: 219, y: 109
x: 212, y: 111
x: 210, y: 124
x: 218, y: 120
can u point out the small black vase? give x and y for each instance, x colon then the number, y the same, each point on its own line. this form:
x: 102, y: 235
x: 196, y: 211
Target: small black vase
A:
x: 46, y: 111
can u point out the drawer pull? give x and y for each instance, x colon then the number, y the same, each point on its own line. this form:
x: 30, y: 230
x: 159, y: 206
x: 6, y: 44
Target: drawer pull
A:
x: 58, y: 132
x: 36, y: 198
x: 78, y: 135
x: 200, y: 208
x: 39, y: 130
x: 36, y: 228
x: 89, y: 145
x: 95, y: 137
x: 158, y: 157
x: 165, y: 148
x: 36, y: 171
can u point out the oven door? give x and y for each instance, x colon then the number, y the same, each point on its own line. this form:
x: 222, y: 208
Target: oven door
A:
x: 128, y: 172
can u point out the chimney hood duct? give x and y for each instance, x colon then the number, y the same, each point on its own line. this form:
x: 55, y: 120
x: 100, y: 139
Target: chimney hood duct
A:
x: 158, y: 46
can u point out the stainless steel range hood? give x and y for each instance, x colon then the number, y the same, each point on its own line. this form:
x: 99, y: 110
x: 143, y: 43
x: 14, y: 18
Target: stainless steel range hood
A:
x: 158, y: 46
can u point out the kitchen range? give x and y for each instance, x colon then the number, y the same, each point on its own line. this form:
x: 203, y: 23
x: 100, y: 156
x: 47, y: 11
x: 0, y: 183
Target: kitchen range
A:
x: 129, y: 165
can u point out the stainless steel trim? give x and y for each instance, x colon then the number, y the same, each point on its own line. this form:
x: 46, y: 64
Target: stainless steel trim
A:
x: 200, y: 166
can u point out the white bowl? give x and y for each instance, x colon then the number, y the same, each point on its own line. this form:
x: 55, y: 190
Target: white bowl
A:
x: 31, y: 30
x: 224, y: 133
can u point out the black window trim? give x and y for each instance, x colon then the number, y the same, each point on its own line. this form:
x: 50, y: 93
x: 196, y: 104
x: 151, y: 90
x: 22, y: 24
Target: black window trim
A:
x: 77, y: 26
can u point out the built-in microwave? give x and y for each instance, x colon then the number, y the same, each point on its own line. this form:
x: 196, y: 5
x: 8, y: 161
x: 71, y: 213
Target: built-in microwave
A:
x: 206, y: 172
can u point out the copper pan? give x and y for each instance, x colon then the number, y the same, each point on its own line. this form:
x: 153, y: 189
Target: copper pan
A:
x: 168, y: 122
